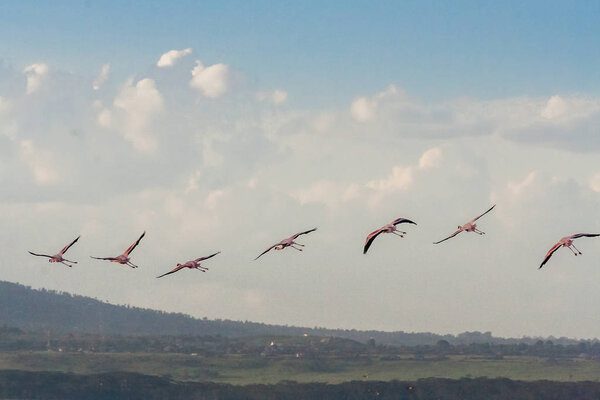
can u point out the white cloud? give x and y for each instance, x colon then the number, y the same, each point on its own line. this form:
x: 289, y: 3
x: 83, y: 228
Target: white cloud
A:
x: 277, y: 96
x: 105, y: 118
x: 193, y: 181
x: 594, y: 182
x: 252, y: 183
x: 363, y: 109
x: 138, y: 106
x: 40, y: 163
x: 334, y: 194
x: 215, y: 197
x: 556, y: 107
x: 517, y: 188
x: 169, y: 58
x: 431, y: 158
x: 212, y: 81
x: 561, y: 120
x: 323, y: 122
x: 400, y: 178
x: 331, y: 194
x: 565, y: 109
x: 35, y: 74
x: 102, y: 77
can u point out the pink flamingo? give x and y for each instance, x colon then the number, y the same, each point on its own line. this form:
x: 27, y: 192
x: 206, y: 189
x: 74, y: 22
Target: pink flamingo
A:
x: 567, y: 242
x: 289, y: 242
x: 59, y: 257
x: 123, y: 258
x: 389, y: 228
x: 468, y: 227
x: 193, y: 264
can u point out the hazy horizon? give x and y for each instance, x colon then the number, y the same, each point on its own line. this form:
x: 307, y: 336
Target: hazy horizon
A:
x: 228, y: 127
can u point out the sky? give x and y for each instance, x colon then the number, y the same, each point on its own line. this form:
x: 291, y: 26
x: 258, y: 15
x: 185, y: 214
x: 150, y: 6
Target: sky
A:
x: 229, y: 126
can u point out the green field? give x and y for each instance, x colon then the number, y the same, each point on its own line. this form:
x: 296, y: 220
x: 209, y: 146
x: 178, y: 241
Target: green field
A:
x: 238, y: 369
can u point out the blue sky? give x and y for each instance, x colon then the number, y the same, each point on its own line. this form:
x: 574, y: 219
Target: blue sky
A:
x: 327, y: 51
x: 229, y: 126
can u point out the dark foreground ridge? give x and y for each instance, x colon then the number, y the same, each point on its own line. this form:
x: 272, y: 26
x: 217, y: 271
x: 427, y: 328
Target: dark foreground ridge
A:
x: 131, y: 386
x: 46, y: 310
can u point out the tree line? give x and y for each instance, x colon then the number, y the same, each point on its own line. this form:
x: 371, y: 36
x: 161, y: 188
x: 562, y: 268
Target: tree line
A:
x: 16, y: 339
x: 131, y: 386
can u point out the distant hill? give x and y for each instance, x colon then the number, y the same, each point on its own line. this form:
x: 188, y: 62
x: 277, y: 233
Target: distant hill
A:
x: 47, y: 310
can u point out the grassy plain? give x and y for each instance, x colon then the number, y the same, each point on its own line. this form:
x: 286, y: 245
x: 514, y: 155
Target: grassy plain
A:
x: 242, y: 370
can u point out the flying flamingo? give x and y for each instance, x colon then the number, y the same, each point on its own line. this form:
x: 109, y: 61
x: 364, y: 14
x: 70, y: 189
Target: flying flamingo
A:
x: 59, y: 257
x: 289, y: 242
x: 389, y: 228
x: 468, y: 227
x: 193, y: 264
x: 123, y: 258
x: 567, y: 242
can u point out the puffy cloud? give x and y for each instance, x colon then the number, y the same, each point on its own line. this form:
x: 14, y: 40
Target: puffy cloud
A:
x: 277, y: 96
x: 40, y: 163
x: 136, y: 106
x: 35, y: 75
x: 105, y: 118
x: 193, y: 181
x: 517, y: 188
x: 331, y: 194
x: 252, y: 183
x: 562, y: 109
x: 215, y: 197
x: 169, y: 58
x: 212, y: 81
x: 594, y: 182
x: 365, y: 109
x: 431, y: 158
x: 561, y: 120
x: 102, y: 77
x: 556, y: 107
x: 400, y: 178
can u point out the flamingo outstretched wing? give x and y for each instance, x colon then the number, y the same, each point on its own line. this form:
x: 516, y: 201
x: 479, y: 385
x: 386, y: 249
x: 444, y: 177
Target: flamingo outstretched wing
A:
x: 578, y: 235
x: 64, y: 250
x: 130, y: 249
x: 207, y: 257
x: 403, y: 221
x: 549, y: 254
x: 450, y: 237
x: 370, y: 238
x: 104, y: 258
x: 303, y: 233
x: 172, y: 271
x: 39, y: 255
x: 267, y: 250
x: 476, y: 218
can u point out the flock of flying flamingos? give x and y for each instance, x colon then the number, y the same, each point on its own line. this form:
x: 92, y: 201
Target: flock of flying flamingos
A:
x: 470, y: 226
